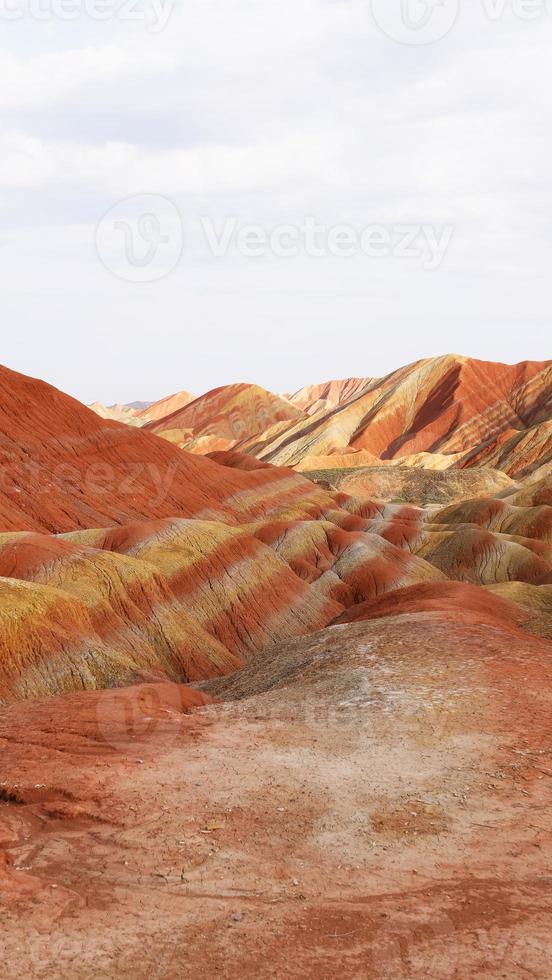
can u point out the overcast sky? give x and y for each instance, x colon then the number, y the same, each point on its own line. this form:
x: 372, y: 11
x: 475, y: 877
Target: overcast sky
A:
x: 268, y: 113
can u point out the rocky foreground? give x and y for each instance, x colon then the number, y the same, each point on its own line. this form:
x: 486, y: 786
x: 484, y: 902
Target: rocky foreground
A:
x: 371, y: 800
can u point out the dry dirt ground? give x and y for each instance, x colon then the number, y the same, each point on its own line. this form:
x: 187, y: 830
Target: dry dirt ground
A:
x: 371, y: 801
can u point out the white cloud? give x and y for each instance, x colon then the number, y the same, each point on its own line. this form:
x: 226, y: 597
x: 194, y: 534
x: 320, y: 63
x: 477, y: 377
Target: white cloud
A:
x: 65, y: 78
x: 272, y: 111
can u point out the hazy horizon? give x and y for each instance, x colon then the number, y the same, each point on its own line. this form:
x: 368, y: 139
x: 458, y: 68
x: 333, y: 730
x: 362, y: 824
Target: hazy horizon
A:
x: 279, y: 390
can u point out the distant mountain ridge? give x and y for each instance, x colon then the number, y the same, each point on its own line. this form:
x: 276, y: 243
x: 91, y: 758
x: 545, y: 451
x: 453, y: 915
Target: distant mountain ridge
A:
x: 225, y: 417
x: 443, y: 412
x: 438, y: 413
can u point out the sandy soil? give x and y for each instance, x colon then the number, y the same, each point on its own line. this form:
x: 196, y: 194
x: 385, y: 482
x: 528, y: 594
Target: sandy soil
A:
x: 373, y: 801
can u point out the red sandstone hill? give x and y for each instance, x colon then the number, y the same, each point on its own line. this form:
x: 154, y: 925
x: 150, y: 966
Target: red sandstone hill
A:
x: 179, y: 599
x: 440, y: 413
x: 329, y: 394
x: 450, y: 407
x: 62, y: 467
x: 453, y: 601
x: 225, y: 416
x: 165, y: 406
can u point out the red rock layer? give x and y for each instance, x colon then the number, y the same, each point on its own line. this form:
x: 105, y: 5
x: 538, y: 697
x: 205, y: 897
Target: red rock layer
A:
x: 447, y: 405
x: 483, y: 542
x: 453, y: 601
x: 321, y: 553
x: 517, y: 453
x: 224, y: 417
x: 62, y: 467
x: 232, y: 584
x: 535, y: 494
x: 329, y: 394
x: 165, y: 406
x: 93, y: 619
x: 502, y: 517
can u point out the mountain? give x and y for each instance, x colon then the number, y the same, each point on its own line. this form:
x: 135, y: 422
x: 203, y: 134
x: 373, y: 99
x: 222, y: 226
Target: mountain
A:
x: 329, y: 394
x: 450, y: 407
x: 139, y: 406
x: 446, y: 412
x: 516, y: 452
x: 63, y: 468
x: 225, y: 417
x: 119, y: 413
x: 154, y: 411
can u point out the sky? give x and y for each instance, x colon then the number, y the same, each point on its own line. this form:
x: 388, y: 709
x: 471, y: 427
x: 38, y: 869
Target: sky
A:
x: 200, y: 192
